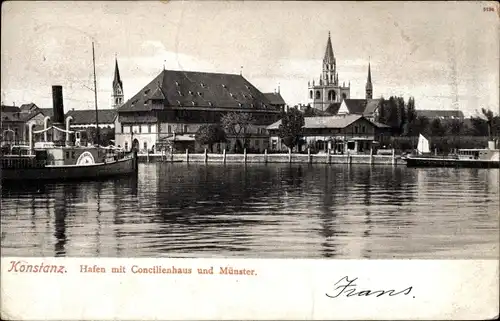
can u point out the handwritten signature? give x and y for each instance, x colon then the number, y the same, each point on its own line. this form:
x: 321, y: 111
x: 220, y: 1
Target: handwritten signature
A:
x: 348, y: 288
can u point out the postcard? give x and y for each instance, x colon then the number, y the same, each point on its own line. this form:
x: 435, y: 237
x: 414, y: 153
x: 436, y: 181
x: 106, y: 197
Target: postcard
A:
x: 249, y: 160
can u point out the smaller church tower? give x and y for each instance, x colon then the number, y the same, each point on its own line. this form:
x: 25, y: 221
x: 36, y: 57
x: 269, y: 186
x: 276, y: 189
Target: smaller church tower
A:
x: 117, y: 95
x: 369, y: 86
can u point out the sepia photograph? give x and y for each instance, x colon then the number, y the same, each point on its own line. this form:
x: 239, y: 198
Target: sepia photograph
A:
x: 249, y: 160
x: 322, y: 130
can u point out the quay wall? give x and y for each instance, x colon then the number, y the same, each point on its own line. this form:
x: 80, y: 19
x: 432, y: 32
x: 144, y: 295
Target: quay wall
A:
x: 273, y: 158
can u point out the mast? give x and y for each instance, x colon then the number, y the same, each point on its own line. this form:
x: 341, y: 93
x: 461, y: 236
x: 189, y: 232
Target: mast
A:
x: 95, y: 97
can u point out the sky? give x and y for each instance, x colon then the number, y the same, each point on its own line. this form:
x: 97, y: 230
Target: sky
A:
x: 444, y: 54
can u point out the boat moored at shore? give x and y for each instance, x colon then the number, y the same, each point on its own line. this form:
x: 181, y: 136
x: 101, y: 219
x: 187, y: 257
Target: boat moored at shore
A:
x: 471, y: 158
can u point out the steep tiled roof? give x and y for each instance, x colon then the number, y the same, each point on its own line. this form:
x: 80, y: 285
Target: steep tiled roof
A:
x: 28, y: 111
x: 323, y: 122
x: 357, y: 106
x: 10, y: 113
x: 27, y: 107
x: 47, y: 112
x: 198, y: 89
x: 371, y: 106
x: 311, y: 111
x: 10, y: 109
x: 333, y: 109
x: 81, y: 117
x: 436, y: 113
x: 275, y: 98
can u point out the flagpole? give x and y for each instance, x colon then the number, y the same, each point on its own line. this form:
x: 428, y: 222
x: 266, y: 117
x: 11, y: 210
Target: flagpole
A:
x: 95, y: 97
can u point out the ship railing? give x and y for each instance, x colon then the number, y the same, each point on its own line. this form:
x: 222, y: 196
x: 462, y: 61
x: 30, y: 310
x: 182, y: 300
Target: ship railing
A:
x: 22, y: 162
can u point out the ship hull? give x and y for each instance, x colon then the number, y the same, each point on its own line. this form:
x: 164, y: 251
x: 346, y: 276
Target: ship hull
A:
x: 443, y: 162
x: 122, y: 167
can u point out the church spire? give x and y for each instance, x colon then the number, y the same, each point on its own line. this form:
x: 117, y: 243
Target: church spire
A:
x: 369, y: 86
x: 329, y: 57
x: 117, y: 95
x: 117, y: 80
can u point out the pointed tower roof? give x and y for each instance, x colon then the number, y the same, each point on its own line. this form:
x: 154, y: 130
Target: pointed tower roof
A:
x: 117, y: 79
x: 369, y: 74
x: 369, y: 79
x: 329, y: 58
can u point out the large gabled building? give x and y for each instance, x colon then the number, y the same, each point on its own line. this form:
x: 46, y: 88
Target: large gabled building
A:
x: 174, y: 105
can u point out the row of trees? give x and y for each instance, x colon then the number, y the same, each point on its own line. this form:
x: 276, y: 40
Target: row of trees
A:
x: 404, y: 121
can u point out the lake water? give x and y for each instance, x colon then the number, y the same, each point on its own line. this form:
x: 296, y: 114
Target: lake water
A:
x: 267, y: 211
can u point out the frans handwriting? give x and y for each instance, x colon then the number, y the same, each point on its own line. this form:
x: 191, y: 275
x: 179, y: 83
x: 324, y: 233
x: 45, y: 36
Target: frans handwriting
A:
x: 347, y: 287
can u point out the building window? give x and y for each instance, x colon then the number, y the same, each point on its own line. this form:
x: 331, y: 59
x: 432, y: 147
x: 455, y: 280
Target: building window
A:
x: 145, y: 145
x: 140, y: 129
x: 344, y: 96
x: 149, y: 128
x: 274, y: 144
x: 67, y: 154
x: 126, y: 146
x: 257, y: 142
x: 331, y: 95
x: 355, y: 129
x: 72, y: 154
x: 185, y: 128
x: 318, y: 94
x: 363, y: 129
x: 126, y: 129
x: 169, y: 129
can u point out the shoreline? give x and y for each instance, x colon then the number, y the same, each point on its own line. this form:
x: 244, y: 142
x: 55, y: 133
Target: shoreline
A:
x: 273, y: 158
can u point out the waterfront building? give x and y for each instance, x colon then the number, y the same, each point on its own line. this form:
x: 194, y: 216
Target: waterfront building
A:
x: 85, y: 118
x: 339, y: 134
x: 169, y: 110
x: 11, y: 125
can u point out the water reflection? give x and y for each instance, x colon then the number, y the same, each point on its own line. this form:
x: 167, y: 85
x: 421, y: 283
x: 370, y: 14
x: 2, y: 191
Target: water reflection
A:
x: 274, y: 210
x: 60, y: 221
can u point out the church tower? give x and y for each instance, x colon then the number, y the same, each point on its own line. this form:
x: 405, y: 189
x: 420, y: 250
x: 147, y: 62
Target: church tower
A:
x: 329, y: 64
x: 117, y: 95
x: 327, y: 90
x: 369, y: 86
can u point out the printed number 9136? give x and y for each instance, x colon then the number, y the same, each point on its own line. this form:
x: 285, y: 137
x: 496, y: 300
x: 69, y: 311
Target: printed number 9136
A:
x: 488, y: 9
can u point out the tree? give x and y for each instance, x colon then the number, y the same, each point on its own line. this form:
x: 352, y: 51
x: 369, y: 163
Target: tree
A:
x: 291, y: 127
x: 436, y: 128
x: 421, y: 125
x: 209, y: 134
x: 479, y: 126
x: 454, y: 127
x: 489, y: 119
x: 237, y: 125
x: 409, y: 128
